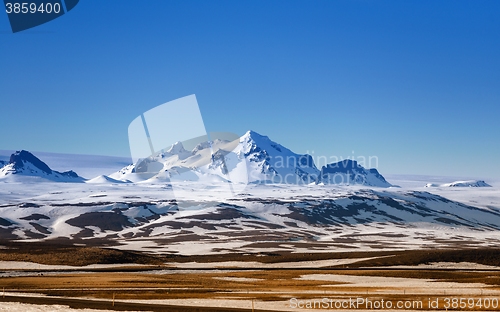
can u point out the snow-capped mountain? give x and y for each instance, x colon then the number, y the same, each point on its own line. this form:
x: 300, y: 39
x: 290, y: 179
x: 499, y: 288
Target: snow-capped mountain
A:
x: 469, y: 183
x: 349, y: 172
x: 24, y: 164
x: 268, y: 161
x: 253, y: 158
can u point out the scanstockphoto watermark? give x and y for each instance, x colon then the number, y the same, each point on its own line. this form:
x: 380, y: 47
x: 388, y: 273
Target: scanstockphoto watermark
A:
x: 332, y: 161
x: 360, y: 303
x: 357, y: 303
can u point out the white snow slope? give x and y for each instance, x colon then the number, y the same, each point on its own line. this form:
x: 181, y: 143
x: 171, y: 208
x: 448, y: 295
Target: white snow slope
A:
x: 208, y: 219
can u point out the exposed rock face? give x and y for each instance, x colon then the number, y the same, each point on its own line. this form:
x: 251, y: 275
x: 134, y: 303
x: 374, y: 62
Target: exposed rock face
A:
x: 18, y: 159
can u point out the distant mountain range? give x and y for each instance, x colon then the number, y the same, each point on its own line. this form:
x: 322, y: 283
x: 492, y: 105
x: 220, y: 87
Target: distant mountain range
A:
x: 295, y: 211
x: 253, y: 159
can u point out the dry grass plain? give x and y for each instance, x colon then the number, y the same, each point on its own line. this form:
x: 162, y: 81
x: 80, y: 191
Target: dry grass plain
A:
x: 159, y: 285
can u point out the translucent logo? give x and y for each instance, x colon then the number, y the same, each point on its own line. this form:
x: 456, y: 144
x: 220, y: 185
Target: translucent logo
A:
x: 169, y: 143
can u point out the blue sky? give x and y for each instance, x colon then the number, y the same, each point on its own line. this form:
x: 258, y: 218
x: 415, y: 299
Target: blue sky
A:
x: 415, y: 83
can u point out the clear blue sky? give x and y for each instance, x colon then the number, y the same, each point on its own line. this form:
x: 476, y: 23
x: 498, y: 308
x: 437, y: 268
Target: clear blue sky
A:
x: 415, y: 83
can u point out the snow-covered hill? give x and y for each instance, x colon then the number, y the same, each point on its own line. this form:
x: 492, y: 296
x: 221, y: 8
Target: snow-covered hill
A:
x: 24, y: 166
x: 469, y: 183
x: 104, y: 179
x: 253, y: 158
x: 291, y: 217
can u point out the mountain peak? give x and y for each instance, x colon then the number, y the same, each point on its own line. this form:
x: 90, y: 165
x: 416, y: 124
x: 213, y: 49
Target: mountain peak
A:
x: 176, y: 148
x: 257, y: 159
x: 250, y: 134
x: 19, y: 158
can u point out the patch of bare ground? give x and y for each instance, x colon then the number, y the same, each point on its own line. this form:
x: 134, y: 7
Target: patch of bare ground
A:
x: 280, y: 256
x: 118, y: 306
x: 93, y: 251
x: 260, y: 285
x: 486, y: 256
x: 488, y: 278
x: 60, y: 254
x: 264, y: 285
x: 164, y: 286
